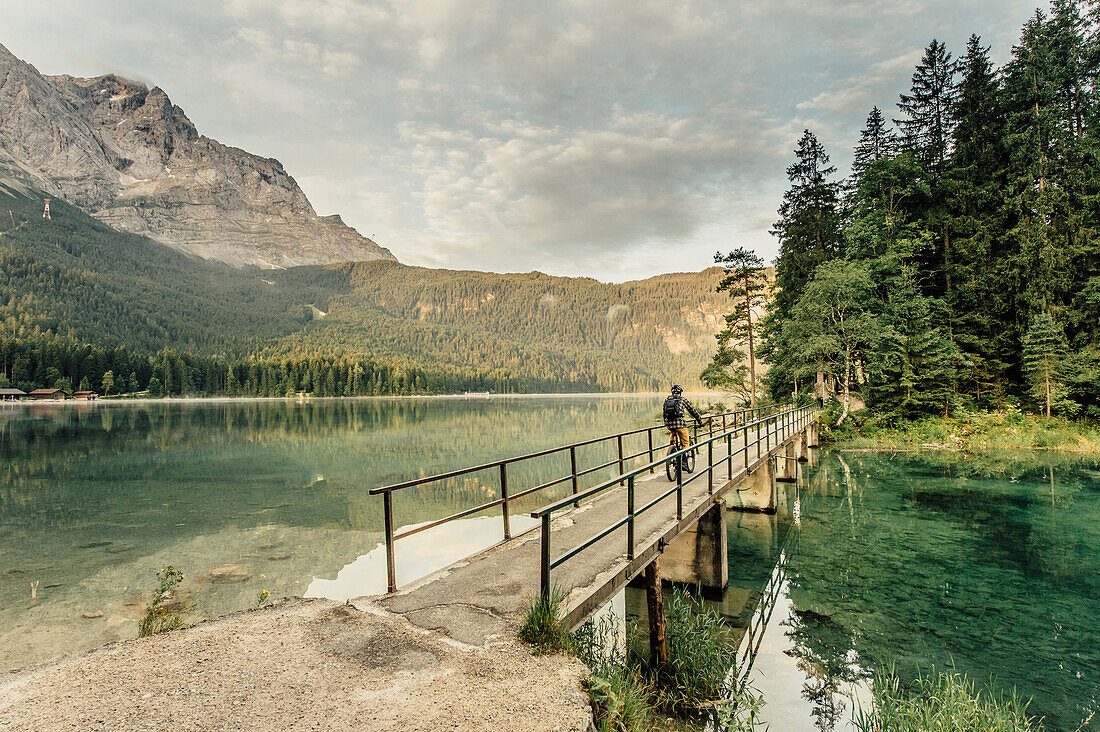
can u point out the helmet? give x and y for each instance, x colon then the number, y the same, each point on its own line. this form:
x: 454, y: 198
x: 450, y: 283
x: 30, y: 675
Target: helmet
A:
x: 677, y: 389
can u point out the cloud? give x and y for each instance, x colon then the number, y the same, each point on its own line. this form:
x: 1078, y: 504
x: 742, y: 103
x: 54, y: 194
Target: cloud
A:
x: 880, y: 80
x: 614, y: 138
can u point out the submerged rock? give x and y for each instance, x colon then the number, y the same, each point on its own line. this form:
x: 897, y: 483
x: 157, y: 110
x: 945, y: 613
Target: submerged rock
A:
x: 228, y: 574
x: 92, y: 615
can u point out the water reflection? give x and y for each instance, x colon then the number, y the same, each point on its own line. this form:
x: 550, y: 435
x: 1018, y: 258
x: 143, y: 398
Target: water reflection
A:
x: 987, y: 564
x: 94, y: 499
x: 920, y: 562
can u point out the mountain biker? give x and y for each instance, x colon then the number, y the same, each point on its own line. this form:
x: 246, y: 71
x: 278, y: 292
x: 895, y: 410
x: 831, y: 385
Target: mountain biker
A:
x: 673, y: 414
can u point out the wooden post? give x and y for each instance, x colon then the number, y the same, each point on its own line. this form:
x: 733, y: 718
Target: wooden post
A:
x: 658, y: 651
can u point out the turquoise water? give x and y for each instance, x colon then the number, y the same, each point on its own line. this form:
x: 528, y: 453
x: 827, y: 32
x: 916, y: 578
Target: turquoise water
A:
x: 95, y: 499
x: 985, y: 564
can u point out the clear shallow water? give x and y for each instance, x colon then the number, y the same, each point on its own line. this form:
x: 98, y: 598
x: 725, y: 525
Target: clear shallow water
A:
x: 917, y: 561
x: 95, y: 499
x: 986, y: 563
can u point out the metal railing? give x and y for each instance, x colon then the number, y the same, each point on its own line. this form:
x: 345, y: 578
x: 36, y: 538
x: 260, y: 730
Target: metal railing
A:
x: 721, y: 422
x: 769, y: 431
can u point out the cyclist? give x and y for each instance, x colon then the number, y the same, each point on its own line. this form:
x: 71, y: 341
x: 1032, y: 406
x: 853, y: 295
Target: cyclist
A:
x: 673, y: 412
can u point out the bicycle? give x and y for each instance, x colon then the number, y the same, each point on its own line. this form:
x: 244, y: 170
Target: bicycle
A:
x: 687, y: 460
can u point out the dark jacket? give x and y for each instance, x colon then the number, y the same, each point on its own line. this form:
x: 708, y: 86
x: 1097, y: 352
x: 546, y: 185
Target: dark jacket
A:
x: 685, y: 406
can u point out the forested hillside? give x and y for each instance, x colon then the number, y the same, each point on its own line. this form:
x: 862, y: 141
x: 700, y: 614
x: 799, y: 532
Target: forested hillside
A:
x: 959, y: 264
x: 624, y: 337
x: 78, y: 299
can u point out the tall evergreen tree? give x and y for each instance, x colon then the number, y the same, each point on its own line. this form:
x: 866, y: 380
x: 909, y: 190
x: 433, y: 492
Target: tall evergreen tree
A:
x: 876, y: 142
x: 746, y: 284
x: 913, y: 367
x: 927, y: 108
x: 927, y: 125
x: 1044, y: 353
x: 809, y: 235
x: 976, y: 179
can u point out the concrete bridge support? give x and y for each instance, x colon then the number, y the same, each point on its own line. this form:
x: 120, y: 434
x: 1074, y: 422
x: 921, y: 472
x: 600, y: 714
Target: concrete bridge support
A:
x: 786, y: 463
x: 757, y: 491
x: 698, y: 556
x: 801, y: 448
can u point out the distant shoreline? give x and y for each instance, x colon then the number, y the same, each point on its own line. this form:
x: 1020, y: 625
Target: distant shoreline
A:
x: 301, y: 400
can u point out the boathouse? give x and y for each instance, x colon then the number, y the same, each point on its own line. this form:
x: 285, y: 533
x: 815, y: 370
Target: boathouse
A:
x: 86, y: 396
x: 12, y: 395
x: 44, y: 395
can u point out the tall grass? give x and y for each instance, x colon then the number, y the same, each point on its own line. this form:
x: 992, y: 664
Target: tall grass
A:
x: 628, y: 691
x: 543, y: 627
x: 945, y: 702
x: 1007, y: 428
x: 700, y: 656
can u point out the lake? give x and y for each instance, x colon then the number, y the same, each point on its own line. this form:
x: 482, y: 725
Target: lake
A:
x: 920, y: 561
x: 986, y: 564
x: 245, y: 496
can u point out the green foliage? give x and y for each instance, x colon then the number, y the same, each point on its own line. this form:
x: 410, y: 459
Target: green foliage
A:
x: 945, y: 702
x: 621, y: 699
x: 1007, y: 428
x: 543, y: 628
x: 981, y: 234
x: 701, y: 653
x: 1044, y: 354
x: 746, y: 284
x: 165, y: 612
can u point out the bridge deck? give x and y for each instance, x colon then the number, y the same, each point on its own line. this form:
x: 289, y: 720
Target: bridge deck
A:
x: 477, y: 599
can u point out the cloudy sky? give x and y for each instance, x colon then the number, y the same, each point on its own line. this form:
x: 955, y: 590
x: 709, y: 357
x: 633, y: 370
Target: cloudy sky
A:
x: 609, y: 138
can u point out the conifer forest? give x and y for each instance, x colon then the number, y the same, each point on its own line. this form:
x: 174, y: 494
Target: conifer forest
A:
x: 958, y: 265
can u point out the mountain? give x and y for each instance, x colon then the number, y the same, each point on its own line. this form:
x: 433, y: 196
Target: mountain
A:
x: 126, y: 155
x: 74, y: 280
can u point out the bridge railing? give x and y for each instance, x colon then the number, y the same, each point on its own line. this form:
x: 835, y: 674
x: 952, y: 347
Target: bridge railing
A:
x: 712, y: 423
x: 766, y: 432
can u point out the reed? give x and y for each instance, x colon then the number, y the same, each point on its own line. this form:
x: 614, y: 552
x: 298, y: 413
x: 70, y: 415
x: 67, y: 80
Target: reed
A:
x: 944, y: 702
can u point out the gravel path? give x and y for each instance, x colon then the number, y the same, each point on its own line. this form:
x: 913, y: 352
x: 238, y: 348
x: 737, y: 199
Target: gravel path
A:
x: 299, y: 665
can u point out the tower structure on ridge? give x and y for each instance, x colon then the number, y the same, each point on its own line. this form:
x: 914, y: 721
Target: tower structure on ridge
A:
x: 46, y: 211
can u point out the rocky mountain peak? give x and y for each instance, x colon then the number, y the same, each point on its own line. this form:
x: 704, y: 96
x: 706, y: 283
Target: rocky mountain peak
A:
x: 133, y: 159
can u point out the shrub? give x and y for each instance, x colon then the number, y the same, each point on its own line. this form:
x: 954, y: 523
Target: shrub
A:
x: 163, y: 615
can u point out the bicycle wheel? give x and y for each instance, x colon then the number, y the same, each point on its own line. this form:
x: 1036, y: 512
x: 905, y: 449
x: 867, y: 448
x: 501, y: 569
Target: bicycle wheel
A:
x: 689, y: 462
x: 670, y: 465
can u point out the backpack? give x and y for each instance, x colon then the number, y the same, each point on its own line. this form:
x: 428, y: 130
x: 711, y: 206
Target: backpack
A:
x: 674, y: 409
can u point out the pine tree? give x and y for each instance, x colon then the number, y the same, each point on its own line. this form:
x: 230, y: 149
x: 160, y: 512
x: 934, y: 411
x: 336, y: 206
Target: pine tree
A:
x: 746, y: 282
x: 927, y: 123
x: 809, y: 235
x: 975, y: 182
x: 1044, y: 352
x: 876, y: 142
x: 913, y: 369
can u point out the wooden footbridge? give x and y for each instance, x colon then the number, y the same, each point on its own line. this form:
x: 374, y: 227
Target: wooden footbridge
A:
x: 590, y: 541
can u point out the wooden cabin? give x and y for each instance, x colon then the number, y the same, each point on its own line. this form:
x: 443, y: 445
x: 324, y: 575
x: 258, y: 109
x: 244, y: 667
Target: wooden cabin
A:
x: 46, y: 395
x: 12, y: 395
x: 85, y: 396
